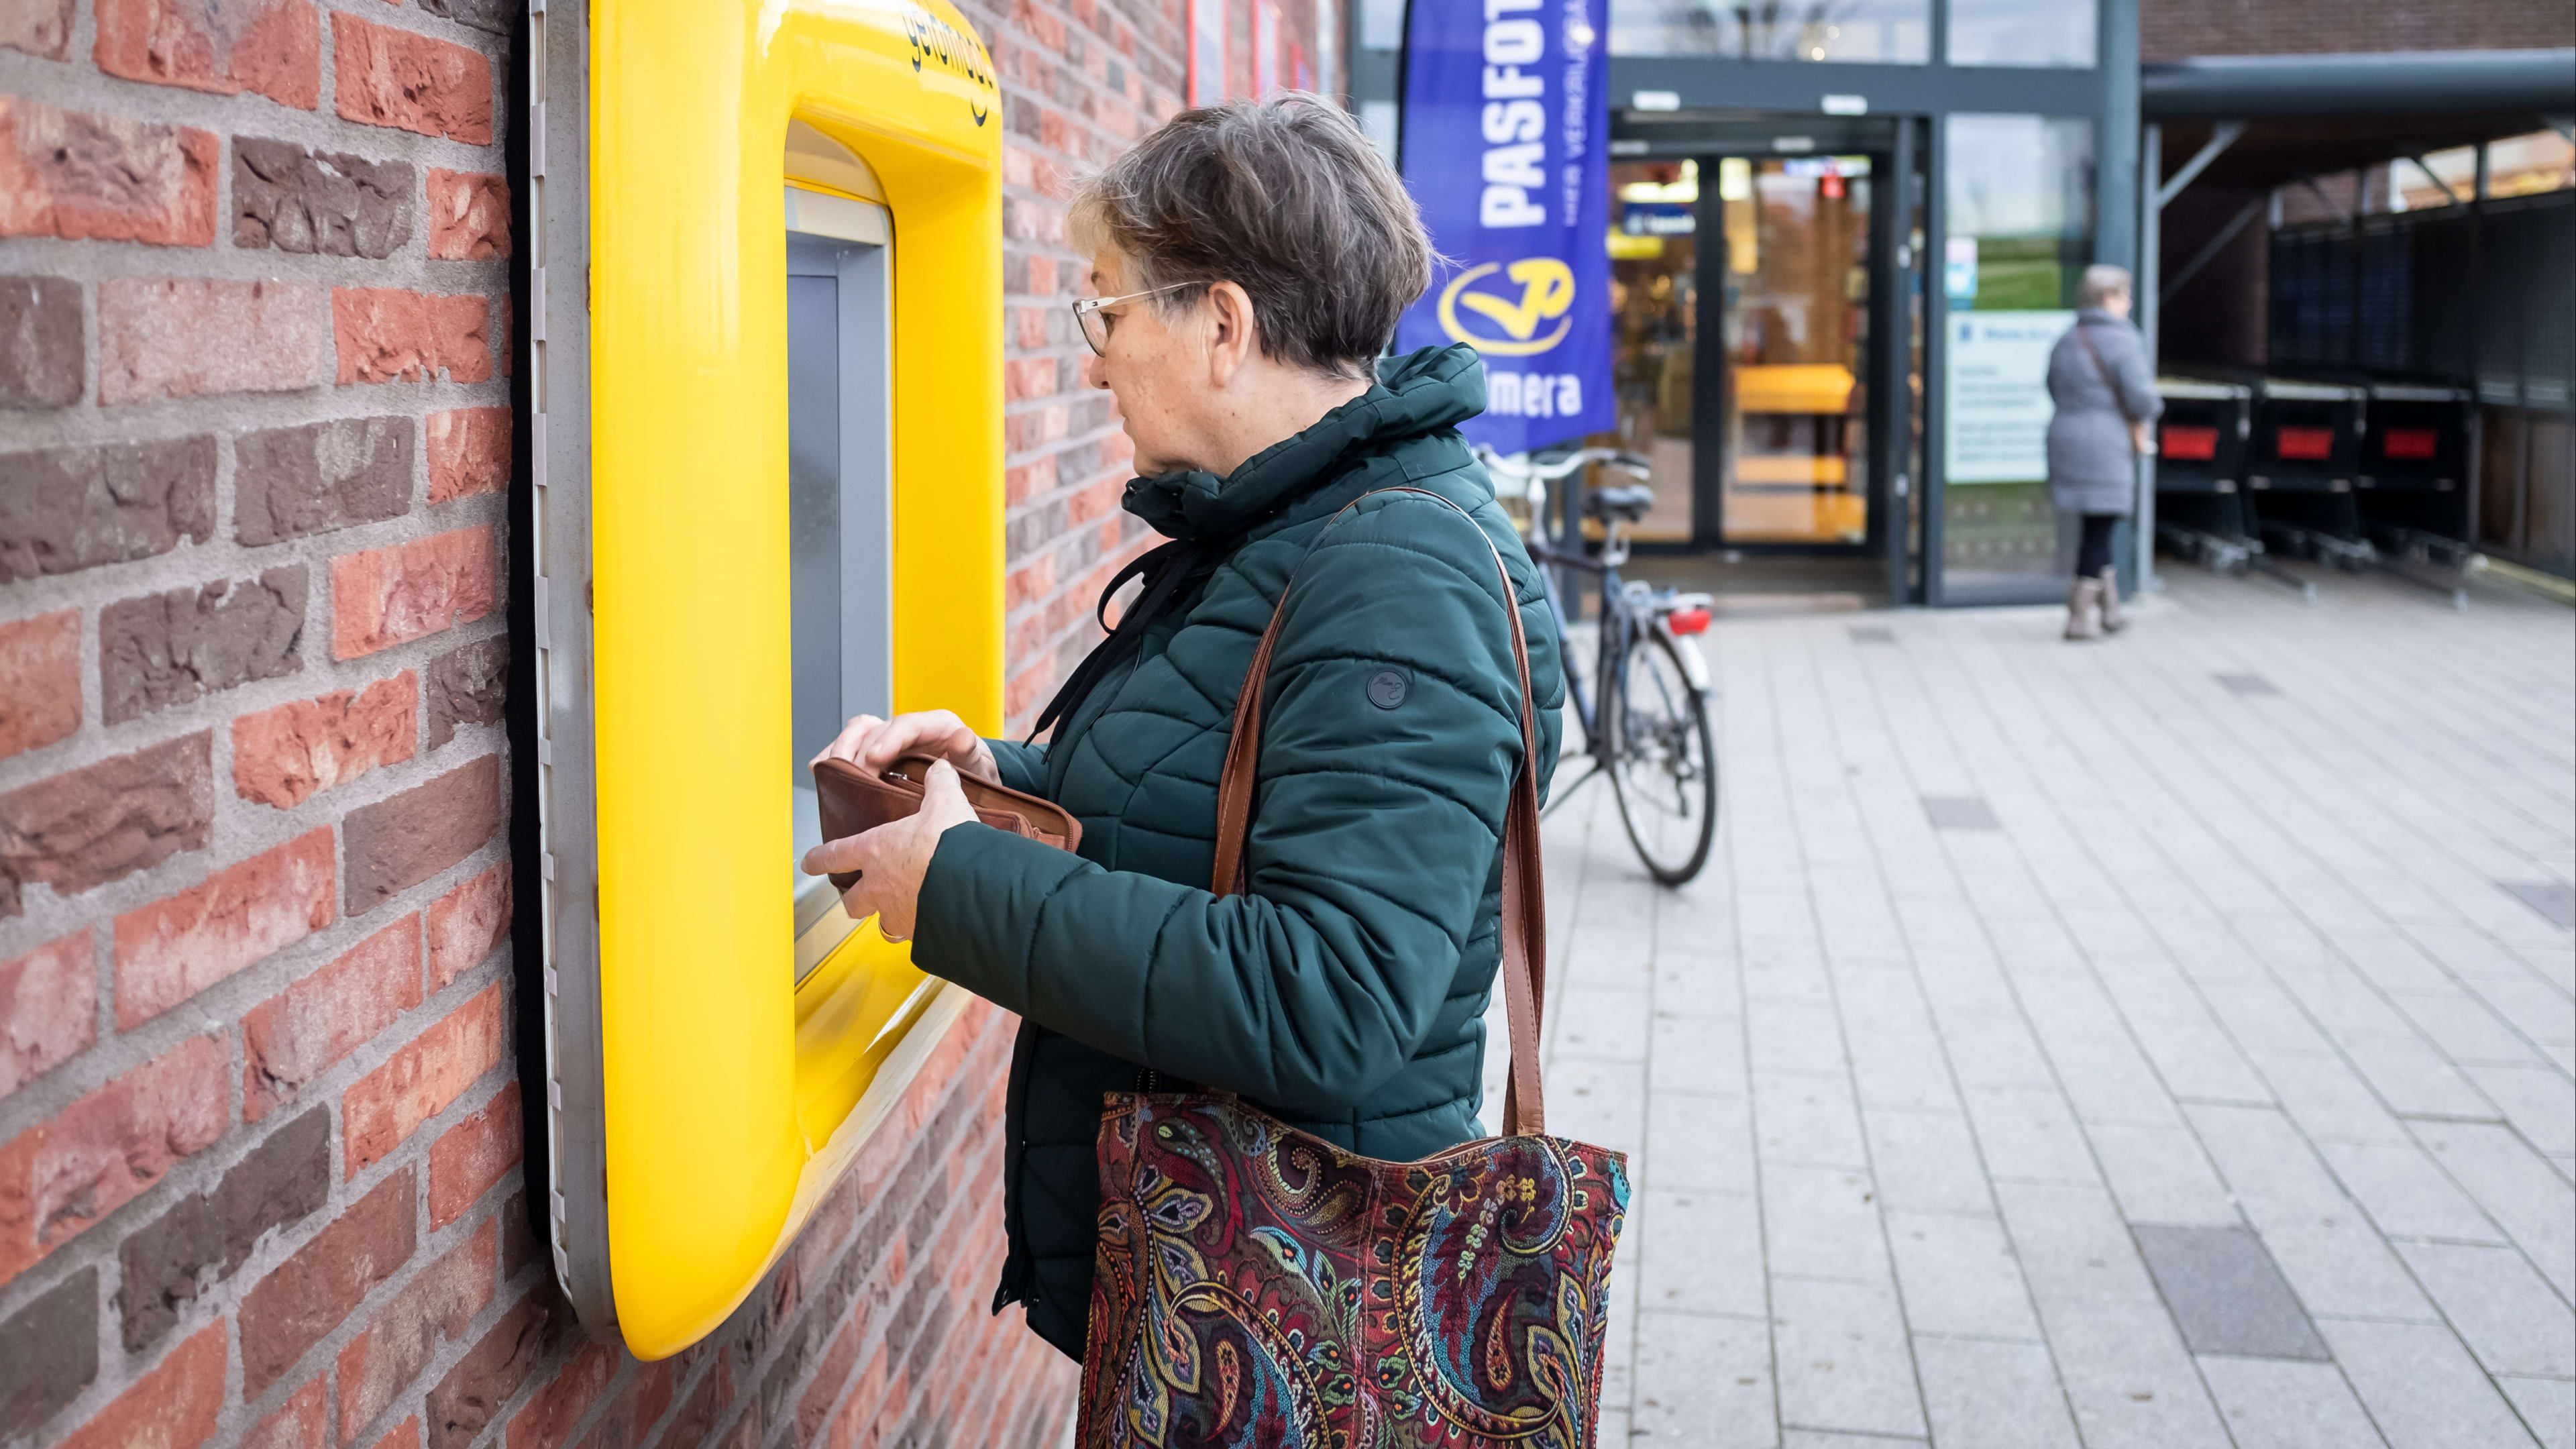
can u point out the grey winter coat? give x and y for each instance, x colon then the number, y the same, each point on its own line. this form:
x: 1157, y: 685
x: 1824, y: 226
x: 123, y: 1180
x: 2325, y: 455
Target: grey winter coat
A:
x: 2091, y: 468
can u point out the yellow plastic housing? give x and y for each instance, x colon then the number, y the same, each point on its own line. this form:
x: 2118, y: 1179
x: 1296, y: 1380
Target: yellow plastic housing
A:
x: 732, y: 1097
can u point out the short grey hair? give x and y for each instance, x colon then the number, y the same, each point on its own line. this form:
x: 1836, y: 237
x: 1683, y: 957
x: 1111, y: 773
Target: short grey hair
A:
x: 2100, y: 281
x: 1284, y: 197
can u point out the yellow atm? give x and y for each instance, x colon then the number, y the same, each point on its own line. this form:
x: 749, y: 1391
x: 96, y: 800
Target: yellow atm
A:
x: 764, y: 341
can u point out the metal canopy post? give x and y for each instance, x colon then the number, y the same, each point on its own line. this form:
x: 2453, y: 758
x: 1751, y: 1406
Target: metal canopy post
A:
x: 2151, y: 217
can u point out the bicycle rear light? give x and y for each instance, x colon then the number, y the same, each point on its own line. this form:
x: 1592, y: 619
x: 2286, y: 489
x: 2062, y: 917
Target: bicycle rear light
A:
x: 1687, y: 621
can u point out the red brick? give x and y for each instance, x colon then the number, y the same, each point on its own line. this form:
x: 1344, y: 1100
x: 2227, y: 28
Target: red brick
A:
x: 172, y: 949
x: 546, y: 1421
x: 182, y: 338
x: 304, y: 1423
x: 466, y: 1401
x: 107, y: 178
x: 173, y: 1407
x: 273, y: 47
x: 475, y: 1154
x: 469, y: 452
x: 297, y: 1035
x: 390, y: 334
x: 381, y: 76
x: 103, y: 1151
x: 402, y: 840
x: 284, y: 756
x: 40, y: 685
x: 387, y: 596
x: 432, y: 1308
x: 83, y: 828
x: 48, y: 1009
x: 405, y: 1435
x: 38, y: 27
x: 469, y: 215
x: 389, y: 1104
x: 468, y: 924
x: 309, y: 1294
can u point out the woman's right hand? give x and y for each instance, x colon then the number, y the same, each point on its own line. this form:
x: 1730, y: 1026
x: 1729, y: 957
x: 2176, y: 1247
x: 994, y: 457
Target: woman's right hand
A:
x: 874, y: 744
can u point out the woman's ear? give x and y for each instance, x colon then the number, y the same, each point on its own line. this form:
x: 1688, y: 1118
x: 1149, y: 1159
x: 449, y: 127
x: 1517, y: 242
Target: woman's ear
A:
x: 1232, y: 336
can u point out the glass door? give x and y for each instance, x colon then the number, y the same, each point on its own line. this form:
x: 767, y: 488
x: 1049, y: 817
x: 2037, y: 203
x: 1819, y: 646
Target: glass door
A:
x: 1794, y: 458
x: 1654, y: 301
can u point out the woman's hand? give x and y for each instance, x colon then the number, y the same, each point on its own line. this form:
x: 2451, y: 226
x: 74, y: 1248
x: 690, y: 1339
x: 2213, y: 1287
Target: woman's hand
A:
x: 874, y: 744
x: 892, y: 859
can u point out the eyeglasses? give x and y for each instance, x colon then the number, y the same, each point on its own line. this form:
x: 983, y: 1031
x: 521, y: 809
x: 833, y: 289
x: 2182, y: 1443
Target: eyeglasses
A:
x: 1089, y: 315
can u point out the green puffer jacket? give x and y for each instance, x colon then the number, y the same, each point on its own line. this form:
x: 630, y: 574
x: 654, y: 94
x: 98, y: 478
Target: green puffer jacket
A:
x: 1346, y: 993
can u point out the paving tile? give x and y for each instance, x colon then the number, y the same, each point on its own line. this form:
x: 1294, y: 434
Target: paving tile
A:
x: 2406, y: 1193
x: 1844, y: 1360
x: 2225, y: 1293
x: 2074, y: 1249
x: 1697, y: 1141
x: 2107, y: 1079
x: 2029, y: 1135
x: 1822, y: 1222
x: 2247, y: 685
x: 1959, y: 1276
x: 2284, y: 1404
x: 1926, y: 1162
x: 2265, y: 1020
x: 2539, y: 1101
x: 1902, y: 1067
x: 2503, y: 1311
x: 1992, y: 1395
x: 1807, y: 1119
x: 2547, y: 1406
x: 2341, y: 1266
x: 2518, y: 1188
x: 2278, y: 1181
x: 1695, y: 1054
x: 1704, y: 1381
x: 2414, y: 1080
x: 1699, y: 1252
x: 2553, y: 901
x: 1960, y: 812
x: 2330, y: 1102
x: 2199, y: 1063
x: 1793, y: 1036
x: 2422, y: 1388
x: 2160, y: 1175
x: 1992, y: 1050
x: 1600, y: 1102
x: 2130, y: 1381
x: 2466, y: 1029
x: 1611, y: 1025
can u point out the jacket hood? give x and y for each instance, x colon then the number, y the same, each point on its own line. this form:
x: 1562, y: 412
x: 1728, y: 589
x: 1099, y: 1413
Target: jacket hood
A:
x: 1420, y: 392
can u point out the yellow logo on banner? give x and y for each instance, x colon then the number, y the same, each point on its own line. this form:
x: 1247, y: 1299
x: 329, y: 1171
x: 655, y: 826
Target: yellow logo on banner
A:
x: 1547, y: 290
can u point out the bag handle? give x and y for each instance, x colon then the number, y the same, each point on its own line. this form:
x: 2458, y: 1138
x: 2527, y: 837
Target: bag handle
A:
x: 2137, y: 429
x: 1524, y: 925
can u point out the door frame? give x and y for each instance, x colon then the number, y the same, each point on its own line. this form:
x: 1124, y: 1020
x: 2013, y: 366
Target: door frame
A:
x: 1887, y: 142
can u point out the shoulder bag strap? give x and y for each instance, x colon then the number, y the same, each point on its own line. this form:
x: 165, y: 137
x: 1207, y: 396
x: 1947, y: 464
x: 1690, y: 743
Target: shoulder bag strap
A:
x: 2120, y: 404
x: 1524, y: 925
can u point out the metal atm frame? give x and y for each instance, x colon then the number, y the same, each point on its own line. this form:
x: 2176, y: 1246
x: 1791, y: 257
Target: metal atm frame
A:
x: 711, y: 1063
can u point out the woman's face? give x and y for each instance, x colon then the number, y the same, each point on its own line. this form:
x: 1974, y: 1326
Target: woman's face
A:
x: 2116, y: 303
x: 1156, y: 367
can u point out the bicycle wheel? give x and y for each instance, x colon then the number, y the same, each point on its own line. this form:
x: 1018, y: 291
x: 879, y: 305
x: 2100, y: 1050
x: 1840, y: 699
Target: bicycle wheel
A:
x: 1664, y: 770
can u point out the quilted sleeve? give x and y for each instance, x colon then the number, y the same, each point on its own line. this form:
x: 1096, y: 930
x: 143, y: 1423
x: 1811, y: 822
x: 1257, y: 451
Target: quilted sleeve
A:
x: 1023, y: 765
x: 1387, y: 756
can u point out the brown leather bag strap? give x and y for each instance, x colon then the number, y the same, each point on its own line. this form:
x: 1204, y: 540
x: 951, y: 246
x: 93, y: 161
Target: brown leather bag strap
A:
x: 1524, y: 925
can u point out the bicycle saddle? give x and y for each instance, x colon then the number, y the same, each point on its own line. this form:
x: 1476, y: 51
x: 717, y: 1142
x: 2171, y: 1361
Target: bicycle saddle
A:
x: 1629, y: 503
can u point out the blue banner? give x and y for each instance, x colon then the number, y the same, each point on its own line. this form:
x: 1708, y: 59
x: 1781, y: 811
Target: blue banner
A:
x: 1506, y: 147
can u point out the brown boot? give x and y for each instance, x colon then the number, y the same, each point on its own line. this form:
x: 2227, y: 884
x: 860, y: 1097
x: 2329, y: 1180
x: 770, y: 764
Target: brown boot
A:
x: 2114, y: 618
x: 2081, y: 601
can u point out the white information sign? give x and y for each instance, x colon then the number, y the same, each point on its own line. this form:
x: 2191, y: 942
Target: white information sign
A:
x: 1998, y: 407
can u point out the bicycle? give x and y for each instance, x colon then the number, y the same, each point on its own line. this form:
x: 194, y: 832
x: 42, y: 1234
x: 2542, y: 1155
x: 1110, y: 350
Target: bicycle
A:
x: 1645, y: 719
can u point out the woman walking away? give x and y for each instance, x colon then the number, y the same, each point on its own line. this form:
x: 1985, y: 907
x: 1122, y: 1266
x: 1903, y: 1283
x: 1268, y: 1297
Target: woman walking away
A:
x: 2105, y: 397
x: 1251, y: 261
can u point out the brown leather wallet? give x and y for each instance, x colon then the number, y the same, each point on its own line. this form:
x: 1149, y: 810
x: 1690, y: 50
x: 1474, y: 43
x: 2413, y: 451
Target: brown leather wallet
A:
x: 853, y: 800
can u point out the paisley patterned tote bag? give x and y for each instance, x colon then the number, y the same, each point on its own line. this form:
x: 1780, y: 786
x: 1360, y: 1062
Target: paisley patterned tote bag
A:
x: 1257, y: 1287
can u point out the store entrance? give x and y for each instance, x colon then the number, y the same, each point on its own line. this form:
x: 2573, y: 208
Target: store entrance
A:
x: 1762, y: 363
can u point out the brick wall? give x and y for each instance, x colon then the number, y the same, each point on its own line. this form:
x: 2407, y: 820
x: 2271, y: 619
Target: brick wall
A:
x: 259, y: 1146
x: 2175, y: 29
x: 1081, y: 79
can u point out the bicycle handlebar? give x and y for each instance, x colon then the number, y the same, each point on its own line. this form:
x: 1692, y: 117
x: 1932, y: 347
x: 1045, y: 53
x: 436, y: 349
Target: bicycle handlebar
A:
x: 1522, y: 465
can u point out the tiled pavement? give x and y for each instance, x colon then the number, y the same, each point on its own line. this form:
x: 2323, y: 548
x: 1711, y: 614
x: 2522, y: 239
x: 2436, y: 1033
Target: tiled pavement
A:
x: 2157, y: 1043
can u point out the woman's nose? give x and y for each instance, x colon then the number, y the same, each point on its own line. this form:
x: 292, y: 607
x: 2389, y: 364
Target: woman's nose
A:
x: 1095, y: 372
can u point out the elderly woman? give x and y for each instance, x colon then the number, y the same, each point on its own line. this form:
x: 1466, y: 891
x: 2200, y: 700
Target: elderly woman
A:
x: 2105, y: 395
x: 1251, y: 262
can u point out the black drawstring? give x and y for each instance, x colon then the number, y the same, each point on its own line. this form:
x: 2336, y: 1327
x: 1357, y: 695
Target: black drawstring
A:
x: 1165, y: 571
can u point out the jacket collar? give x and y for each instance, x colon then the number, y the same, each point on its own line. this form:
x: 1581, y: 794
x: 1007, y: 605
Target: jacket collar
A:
x: 1421, y: 392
